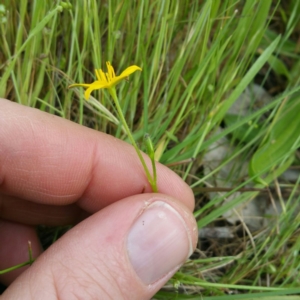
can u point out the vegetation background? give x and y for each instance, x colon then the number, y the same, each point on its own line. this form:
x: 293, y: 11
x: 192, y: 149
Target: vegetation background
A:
x: 198, y: 57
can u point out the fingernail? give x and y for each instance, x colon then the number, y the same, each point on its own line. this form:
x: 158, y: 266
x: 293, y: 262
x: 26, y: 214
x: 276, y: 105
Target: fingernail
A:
x: 158, y: 242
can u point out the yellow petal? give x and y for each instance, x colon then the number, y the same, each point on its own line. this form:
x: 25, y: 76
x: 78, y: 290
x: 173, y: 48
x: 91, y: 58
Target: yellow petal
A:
x: 125, y: 74
x: 96, y: 85
x: 129, y: 71
x: 102, y: 76
x: 110, y: 71
x: 87, y: 93
x: 97, y: 72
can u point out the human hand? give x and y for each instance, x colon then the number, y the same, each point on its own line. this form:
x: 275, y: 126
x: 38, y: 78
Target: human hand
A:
x: 127, y: 241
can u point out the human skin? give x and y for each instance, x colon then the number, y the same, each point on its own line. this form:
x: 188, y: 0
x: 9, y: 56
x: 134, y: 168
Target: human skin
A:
x: 55, y: 172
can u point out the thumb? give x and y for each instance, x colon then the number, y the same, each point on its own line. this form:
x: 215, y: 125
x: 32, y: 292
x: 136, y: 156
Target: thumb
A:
x: 128, y: 250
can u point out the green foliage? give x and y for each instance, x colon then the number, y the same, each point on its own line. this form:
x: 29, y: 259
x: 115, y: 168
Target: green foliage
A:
x: 281, y: 142
x: 197, y: 59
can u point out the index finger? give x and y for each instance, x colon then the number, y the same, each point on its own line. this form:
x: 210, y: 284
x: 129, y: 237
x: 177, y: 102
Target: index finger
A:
x: 49, y: 160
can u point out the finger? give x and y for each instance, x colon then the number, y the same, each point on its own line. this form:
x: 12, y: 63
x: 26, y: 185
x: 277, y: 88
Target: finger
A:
x: 128, y: 250
x: 31, y: 213
x: 50, y: 160
x: 14, y: 248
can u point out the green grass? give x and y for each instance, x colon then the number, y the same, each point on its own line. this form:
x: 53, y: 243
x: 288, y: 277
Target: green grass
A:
x: 197, y: 59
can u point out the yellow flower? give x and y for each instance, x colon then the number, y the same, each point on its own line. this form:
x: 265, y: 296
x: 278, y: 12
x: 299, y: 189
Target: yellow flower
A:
x: 106, y: 80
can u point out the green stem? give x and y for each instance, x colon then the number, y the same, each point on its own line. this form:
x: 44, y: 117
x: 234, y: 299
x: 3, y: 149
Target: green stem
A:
x: 154, y: 172
x: 29, y: 262
x: 151, y: 154
x: 151, y: 180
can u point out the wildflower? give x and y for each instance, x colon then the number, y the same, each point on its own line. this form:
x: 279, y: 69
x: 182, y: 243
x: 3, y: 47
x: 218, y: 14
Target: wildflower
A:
x: 106, y: 80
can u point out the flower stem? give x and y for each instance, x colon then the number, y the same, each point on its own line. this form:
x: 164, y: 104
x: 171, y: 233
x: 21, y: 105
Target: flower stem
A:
x: 151, y: 180
x: 29, y: 262
x: 151, y: 154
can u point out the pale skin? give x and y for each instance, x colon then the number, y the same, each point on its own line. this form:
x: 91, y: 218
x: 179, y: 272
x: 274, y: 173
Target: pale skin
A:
x: 56, y: 172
